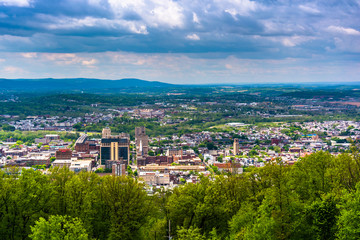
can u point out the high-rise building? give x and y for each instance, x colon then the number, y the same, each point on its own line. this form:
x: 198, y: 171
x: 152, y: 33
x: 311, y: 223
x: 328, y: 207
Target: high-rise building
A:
x: 114, y: 148
x: 236, y: 147
x: 141, y: 141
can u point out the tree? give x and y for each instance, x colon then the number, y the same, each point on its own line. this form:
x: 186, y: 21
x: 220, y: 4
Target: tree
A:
x: 310, y: 176
x: 191, y: 233
x: 58, y: 228
x: 7, y: 127
x: 83, y: 200
x: 321, y: 218
x: 349, y: 219
x: 128, y: 206
x: 99, y: 170
x: 23, y: 199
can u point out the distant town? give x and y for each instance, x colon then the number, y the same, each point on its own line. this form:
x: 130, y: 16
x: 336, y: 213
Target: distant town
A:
x: 165, y: 162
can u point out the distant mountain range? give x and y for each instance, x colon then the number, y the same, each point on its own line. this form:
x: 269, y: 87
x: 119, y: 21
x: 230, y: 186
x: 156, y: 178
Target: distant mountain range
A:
x: 81, y: 84
x: 134, y: 85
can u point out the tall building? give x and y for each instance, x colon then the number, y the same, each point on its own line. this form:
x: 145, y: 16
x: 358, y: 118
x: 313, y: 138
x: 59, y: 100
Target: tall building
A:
x: 114, y: 148
x: 236, y: 147
x: 141, y: 141
x: 106, y: 132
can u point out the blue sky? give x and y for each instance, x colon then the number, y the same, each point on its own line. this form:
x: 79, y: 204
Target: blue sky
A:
x: 182, y: 41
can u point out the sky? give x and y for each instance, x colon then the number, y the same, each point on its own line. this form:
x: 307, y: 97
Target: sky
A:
x: 182, y: 41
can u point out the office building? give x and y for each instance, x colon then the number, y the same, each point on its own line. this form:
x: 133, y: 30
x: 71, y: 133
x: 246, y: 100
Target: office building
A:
x: 114, y: 148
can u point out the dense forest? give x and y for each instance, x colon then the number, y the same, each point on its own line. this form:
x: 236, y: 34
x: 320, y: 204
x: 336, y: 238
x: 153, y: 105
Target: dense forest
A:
x: 316, y: 198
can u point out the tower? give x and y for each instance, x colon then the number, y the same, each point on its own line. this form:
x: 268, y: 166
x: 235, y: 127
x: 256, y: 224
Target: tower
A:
x: 106, y: 132
x: 141, y: 141
x: 236, y: 146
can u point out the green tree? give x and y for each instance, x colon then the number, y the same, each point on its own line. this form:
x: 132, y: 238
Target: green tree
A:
x: 349, y: 219
x: 310, y: 176
x: 23, y: 199
x: 128, y: 206
x: 58, y: 228
x: 191, y: 233
x: 321, y: 218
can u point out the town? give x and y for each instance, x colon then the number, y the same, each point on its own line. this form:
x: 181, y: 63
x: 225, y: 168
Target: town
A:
x: 165, y: 162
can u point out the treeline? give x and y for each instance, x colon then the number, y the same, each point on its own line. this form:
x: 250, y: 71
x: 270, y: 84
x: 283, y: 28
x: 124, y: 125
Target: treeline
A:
x: 316, y: 198
x: 28, y: 137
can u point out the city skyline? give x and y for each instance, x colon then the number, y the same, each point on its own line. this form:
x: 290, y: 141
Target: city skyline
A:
x: 187, y: 42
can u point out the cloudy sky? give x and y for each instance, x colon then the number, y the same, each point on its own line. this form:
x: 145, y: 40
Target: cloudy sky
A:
x: 182, y: 41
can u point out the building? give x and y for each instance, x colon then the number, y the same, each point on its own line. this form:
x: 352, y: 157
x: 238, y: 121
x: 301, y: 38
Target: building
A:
x: 62, y: 163
x: 141, y: 141
x: 52, y: 137
x: 81, y: 165
x: 236, y: 146
x: 34, y: 159
x: 81, y: 145
x: 63, y: 153
x: 160, y: 160
x: 174, y: 152
x: 155, y: 179
x: 114, y: 148
x: 86, y: 145
x: 118, y: 169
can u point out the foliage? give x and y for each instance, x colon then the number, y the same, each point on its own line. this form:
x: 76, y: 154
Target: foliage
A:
x: 58, y: 227
x: 316, y: 198
x: 191, y: 233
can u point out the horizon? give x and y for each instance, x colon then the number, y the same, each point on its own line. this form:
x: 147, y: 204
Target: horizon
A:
x: 182, y: 42
x: 334, y: 83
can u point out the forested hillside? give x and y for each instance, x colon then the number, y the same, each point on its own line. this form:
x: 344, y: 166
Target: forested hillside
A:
x: 316, y: 198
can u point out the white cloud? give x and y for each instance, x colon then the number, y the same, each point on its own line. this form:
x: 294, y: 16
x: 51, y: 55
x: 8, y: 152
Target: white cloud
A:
x: 16, y: 3
x: 342, y: 30
x: 228, y: 66
x: 13, y: 70
x: 309, y: 9
x: 155, y: 13
x: 89, y: 62
x: 292, y: 41
x: 195, y: 18
x: 29, y: 55
x: 193, y: 36
x: 74, y: 23
x: 241, y: 7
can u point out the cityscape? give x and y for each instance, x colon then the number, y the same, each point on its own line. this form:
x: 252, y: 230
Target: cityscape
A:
x: 179, y: 120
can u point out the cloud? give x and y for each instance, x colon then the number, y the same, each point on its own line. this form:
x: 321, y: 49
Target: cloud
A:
x: 294, y: 40
x: 16, y: 3
x: 241, y: 27
x: 13, y: 70
x: 195, y: 18
x: 165, y: 13
x: 68, y: 59
x: 342, y: 30
x: 309, y: 9
x: 89, y: 62
x: 193, y: 36
x: 83, y: 33
x: 29, y: 55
